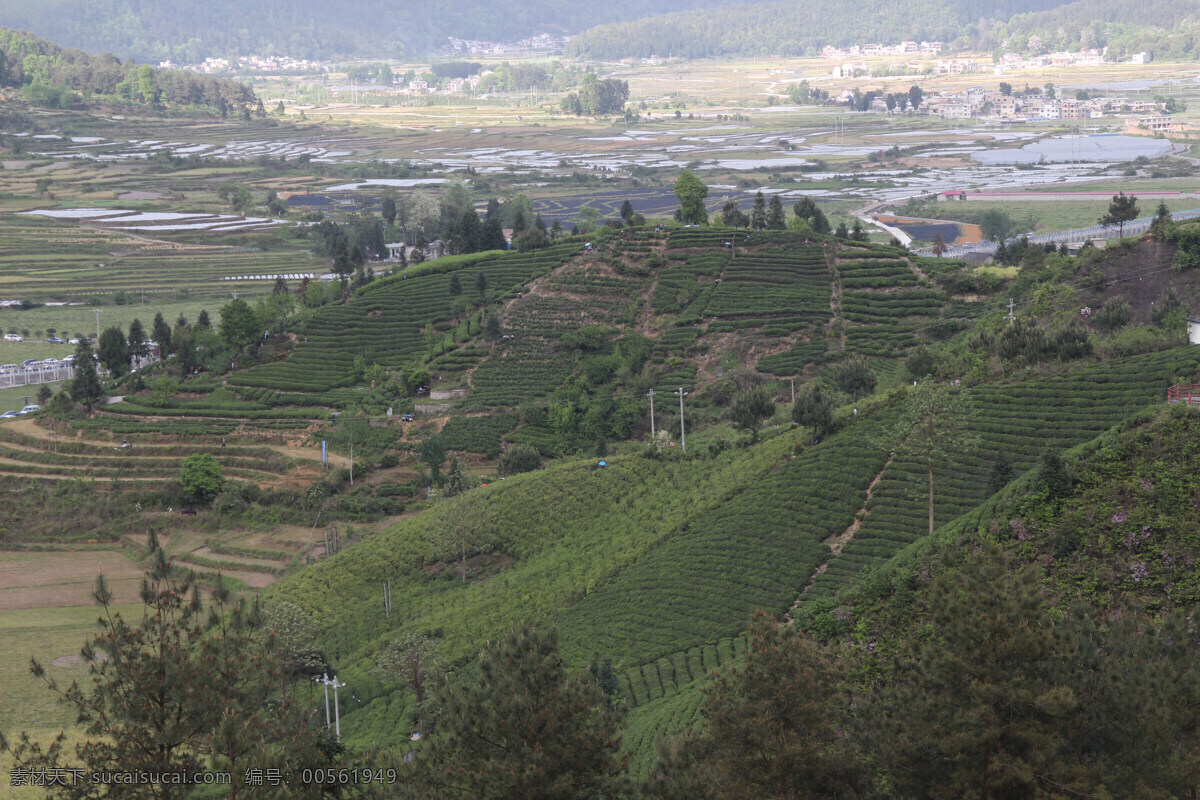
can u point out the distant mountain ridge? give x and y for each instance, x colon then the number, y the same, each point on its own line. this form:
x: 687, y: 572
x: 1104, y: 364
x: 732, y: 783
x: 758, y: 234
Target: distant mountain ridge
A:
x: 186, y: 31
x: 793, y: 28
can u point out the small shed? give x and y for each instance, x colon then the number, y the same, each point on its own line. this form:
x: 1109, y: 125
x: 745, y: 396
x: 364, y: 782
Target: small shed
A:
x: 1193, y: 329
x: 952, y: 194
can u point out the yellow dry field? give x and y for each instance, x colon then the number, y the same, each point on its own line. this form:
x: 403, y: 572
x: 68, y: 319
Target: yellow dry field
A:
x: 38, y: 580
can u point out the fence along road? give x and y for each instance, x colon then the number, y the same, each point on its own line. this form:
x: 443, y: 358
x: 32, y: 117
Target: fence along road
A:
x: 1132, y: 228
x: 36, y: 373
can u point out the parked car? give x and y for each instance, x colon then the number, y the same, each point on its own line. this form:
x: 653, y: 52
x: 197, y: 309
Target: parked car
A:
x: 49, y: 360
x: 29, y: 362
x: 54, y: 340
x: 30, y: 409
x: 69, y: 359
x: 12, y: 337
x: 73, y: 341
x: 10, y: 414
x: 8, y: 368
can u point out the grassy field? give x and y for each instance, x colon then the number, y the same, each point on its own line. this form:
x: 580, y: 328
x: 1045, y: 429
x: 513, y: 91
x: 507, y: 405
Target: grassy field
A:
x: 1044, y: 216
x: 41, y: 579
x: 78, y: 319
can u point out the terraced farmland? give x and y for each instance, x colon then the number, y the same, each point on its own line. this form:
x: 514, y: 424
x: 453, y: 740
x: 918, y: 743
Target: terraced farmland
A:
x: 44, y: 258
x: 387, y: 322
x: 1024, y: 420
x: 534, y: 363
x: 152, y: 459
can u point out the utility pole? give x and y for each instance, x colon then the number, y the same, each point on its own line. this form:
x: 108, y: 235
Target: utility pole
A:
x: 1011, y: 318
x: 793, y: 382
x: 97, y: 324
x: 682, y: 431
x: 325, y: 680
x: 337, y: 716
x: 651, y: 396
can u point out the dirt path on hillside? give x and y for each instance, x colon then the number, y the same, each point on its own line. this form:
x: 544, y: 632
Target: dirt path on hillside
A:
x: 29, y: 427
x: 838, y: 541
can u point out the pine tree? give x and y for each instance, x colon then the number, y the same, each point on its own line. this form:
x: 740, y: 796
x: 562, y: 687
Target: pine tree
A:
x: 1002, y: 472
x: 1122, y: 209
x: 182, y: 688
x: 732, y: 216
x: 772, y: 728
x: 137, y: 339
x: 758, y: 216
x: 85, y: 386
x: 626, y: 210
x: 934, y: 425
x: 1053, y: 477
x: 521, y: 727
x: 775, y: 218
x: 978, y: 712
x: 113, y: 350
x: 414, y: 659
x: 161, y: 333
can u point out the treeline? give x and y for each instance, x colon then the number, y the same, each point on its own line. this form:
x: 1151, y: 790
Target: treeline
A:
x: 1167, y: 29
x: 796, y: 28
x: 52, y: 75
x: 188, y: 32
x: 1162, y: 27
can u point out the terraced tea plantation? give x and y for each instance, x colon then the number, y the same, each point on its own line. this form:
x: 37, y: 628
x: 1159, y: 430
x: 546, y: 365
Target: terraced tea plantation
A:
x: 394, y: 320
x: 1024, y: 420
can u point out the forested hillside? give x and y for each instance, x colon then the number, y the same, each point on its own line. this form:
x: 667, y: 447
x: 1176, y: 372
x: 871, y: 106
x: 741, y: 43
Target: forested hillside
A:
x: 1162, y: 27
x: 798, y: 28
x: 187, y: 32
x: 1166, y: 28
x: 51, y: 75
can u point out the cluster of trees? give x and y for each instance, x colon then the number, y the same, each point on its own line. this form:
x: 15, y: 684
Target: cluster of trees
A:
x: 765, y: 214
x: 52, y: 76
x: 805, y: 93
x: 597, y: 96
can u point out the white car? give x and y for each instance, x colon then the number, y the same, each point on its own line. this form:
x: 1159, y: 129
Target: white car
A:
x: 12, y: 337
x: 30, y: 409
x: 73, y: 341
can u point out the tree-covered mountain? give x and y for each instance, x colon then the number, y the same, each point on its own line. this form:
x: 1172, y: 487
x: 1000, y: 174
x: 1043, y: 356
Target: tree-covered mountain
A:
x: 790, y: 27
x: 184, y: 31
x: 787, y: 27
x: 55, y: 76
x: 1162, y: 27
